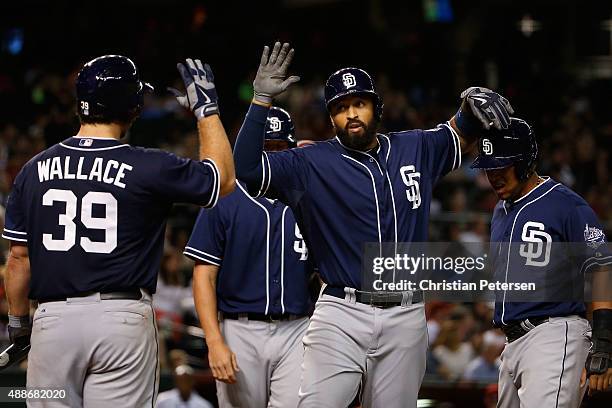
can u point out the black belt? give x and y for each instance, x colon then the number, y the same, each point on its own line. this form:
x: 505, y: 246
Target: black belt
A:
x: 129, y: 295
x: 517, y: 329
x: 377, y: 299
x: 261, y: 317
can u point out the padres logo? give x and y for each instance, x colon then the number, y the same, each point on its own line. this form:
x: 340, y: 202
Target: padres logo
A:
x: 537, y: 251
x: 275, y: 124
x: 487, y: 147
x: 348, y: 80
x: 411, y: 177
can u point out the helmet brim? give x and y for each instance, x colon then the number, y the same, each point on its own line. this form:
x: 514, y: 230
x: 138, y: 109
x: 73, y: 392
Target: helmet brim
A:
x: 350, y: 92
x: 490, y: 163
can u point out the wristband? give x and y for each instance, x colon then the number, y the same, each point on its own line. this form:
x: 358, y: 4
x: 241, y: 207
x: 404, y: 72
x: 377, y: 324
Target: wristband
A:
x: 467, y: 123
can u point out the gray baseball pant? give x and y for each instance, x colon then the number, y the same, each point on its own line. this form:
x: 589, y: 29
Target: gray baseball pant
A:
x: 269, y: 355
x: 349, y: 343
x: 103, y: 353
x: 542, y: 368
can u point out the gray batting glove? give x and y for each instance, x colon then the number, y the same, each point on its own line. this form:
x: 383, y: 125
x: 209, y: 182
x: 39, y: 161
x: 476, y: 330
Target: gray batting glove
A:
x: 271, y: 79
x: 201, y: 96
x: 488, y: 106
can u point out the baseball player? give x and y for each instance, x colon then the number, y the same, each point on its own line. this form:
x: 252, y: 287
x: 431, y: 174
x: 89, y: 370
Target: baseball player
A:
x: 86, y: 221
x: 359, y: 187
x: 547, y: 339
x: 251, y: 290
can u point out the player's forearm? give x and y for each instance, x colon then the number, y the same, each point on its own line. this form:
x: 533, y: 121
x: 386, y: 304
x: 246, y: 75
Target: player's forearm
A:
x: 205, y: 298
x: 17, y: 282
x: 250, y: 143
x: 215, y: 145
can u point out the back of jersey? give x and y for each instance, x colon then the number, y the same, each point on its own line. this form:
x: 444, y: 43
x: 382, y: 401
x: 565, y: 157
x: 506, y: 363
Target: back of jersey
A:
x: 93, y: 213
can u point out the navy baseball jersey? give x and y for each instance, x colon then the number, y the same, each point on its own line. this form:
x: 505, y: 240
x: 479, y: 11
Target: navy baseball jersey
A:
x: 93, y: 213
x: 548, y: 215
x: 261, y: 254
x: 344, y: 198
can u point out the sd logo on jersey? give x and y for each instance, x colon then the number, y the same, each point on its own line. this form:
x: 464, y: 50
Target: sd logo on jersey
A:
x: 537, y: 251
x: 411, y: 178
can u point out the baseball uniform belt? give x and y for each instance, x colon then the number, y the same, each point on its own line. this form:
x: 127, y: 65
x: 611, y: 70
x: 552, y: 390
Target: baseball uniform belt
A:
x: 518, y: 329
x: 135, y: 294
x: 261, y: 317
x: 376, y: 299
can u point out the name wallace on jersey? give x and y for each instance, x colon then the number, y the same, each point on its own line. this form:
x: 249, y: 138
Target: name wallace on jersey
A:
x: 70, y: 168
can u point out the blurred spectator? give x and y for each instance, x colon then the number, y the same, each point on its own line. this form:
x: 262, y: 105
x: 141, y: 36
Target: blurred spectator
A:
x: 451, y: 352
x: 437, y: 312
x: 485, y: 367
x: 183, y: 396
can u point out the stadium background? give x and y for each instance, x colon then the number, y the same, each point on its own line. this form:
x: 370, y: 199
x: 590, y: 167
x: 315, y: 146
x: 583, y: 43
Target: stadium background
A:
x: 551, y: 58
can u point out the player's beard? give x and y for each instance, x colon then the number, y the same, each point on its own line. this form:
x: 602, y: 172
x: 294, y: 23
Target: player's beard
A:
x: 361, y: 142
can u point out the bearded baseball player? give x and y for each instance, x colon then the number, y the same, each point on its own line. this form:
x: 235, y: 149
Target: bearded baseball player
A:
x: 359, y: 187
x: 548, y: 340
x: 251, y: 289
x: 86, y: 221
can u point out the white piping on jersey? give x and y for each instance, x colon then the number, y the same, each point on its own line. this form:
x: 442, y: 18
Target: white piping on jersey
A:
x: 510, y: 240
x: 263, y: 175
x: 203, y: 253
x: 16, y: 232
x: 214, y: 197
x: 457, y: 143
x: 545, y: 178
x: 14, y: 239
x: 282, y: 278
x: 95, y: 138
x: 394, y: 218
x: 595, y: 261
x: 392, y: 197
x: 94, y: 149
x: 189, y: 252
x: 367, y: 154
x: 265, y: 164
x: 267, y: 245
x: 375, y: 198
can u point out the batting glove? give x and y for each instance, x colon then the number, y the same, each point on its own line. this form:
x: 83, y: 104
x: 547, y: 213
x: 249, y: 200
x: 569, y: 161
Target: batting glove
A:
x: 488, y: 106
x: 201, y: 96
x: 271, y: 79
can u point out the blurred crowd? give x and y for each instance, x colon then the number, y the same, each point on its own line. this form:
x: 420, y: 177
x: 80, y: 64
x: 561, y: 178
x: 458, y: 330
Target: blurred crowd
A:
x: 464, y: 346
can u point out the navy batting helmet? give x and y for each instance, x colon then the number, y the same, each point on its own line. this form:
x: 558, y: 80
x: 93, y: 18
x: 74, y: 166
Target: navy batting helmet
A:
x: 349, y: 81
x: 279, y: 126
x: 109, y: 88
x: 516, y: 146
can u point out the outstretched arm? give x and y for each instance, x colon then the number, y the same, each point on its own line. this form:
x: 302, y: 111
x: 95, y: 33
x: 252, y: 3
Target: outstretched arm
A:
x: 202, y: 99
x: 271, y: 80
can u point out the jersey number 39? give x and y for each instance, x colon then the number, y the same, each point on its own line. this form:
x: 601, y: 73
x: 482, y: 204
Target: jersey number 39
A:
x: 108, y: 223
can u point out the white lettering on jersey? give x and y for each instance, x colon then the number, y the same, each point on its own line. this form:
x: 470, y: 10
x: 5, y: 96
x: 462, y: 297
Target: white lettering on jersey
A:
x: 299, y: 245
x: 537, y: 251
x: 109, y: 172
x: 411, y: 177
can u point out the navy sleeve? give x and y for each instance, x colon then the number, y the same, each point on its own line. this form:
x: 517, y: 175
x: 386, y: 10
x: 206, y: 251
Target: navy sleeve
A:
x: 582, y: 226
x: 284, y: 175
x: 443, y: 150
x: 15, y: 223
x: 248, y: 150
x: 207, y: 241
x: 181, y: 180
